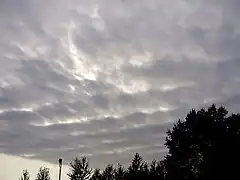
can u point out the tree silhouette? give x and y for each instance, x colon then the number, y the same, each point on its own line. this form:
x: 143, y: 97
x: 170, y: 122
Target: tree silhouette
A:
x: 137, y: 163
x: 79, y: 169
x: 108, y: 173
x: 206, y: 145
x: 156, y: 170
x: 138, y: 169
x: 120, y: 173
x: 43, y: 174
x: 96, y: 175
x: 25, y: 175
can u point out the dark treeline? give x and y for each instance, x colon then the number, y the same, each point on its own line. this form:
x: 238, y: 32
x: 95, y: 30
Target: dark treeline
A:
x: 205, y: 145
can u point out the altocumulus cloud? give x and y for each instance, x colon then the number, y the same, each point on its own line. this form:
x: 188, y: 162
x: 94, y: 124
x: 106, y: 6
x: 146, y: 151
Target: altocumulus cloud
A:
x: 106, y: 78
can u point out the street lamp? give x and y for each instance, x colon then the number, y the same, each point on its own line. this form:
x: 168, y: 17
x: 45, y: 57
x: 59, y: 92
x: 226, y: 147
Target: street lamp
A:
x: 60, y: 167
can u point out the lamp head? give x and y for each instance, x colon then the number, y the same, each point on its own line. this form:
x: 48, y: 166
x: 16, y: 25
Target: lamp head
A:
x: 60, y: 161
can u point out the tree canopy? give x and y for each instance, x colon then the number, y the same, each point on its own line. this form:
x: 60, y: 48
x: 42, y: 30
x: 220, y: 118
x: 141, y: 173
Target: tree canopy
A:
x: 25, y: 175
x: 79, y: 169
x: 43, y: 174
x: 206, y: 145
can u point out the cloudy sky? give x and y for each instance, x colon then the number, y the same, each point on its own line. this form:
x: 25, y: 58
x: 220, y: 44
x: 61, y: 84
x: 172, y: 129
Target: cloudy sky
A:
x: 106, y: 78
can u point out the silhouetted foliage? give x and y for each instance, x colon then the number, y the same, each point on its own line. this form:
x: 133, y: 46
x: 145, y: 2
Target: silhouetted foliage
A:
x: 120, y: 173
x: 137, y: 164
x: 79, y: 169
x: 25, y: 175
x: 204, y: 146
x: 96, y: 175
x: 138, y: 169
x: 108, y: 173
x: 43, y: 174
x: 156, y: 170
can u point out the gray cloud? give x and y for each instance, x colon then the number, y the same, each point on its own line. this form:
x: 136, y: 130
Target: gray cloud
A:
x: 107, y: 78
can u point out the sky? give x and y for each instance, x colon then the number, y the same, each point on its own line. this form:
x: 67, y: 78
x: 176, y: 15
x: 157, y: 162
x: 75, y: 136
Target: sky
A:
x: 106, y: 78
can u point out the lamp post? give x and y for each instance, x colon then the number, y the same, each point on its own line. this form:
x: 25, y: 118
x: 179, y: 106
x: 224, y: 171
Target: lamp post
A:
x: 60, y: 167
